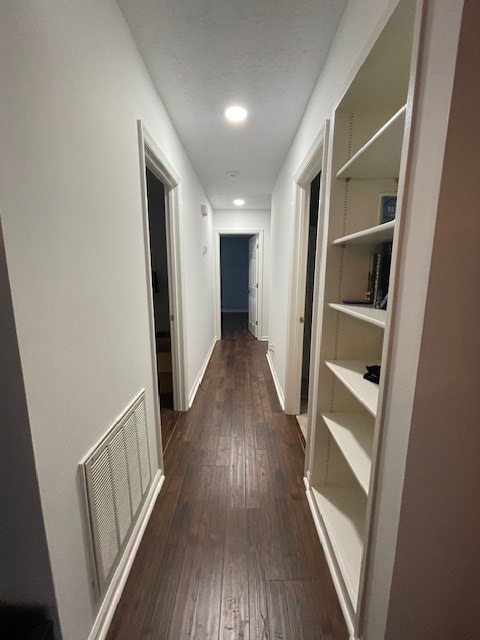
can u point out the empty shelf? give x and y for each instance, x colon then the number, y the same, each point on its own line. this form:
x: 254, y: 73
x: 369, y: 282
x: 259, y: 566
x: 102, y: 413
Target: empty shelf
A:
x: 350, y: 373
x: 343, y: 513
x: 380, y: 156
x: 353, y: 433
x: 366, y: 313
x: 371, y: 236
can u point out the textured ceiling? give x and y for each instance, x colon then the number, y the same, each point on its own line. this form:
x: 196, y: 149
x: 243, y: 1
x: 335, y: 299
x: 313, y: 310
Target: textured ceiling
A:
x: 205, y: 55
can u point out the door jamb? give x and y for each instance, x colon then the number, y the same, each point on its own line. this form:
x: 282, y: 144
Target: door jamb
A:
x: 151, y: 156
x: 218, y: 296
x: 314, y: 161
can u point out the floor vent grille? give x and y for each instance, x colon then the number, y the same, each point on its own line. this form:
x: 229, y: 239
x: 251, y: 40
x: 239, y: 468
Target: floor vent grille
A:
x: 117, y: 477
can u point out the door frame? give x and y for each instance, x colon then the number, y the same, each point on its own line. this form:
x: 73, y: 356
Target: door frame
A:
x: 151, y: 156
x: 253, y: 240
x: 314, y: 162
x: 218, y: 293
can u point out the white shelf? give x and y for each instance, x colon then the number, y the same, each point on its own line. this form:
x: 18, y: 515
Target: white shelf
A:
x: 367, y: 313
x: 354, y: 437
x: 380, y: 156
x: 371, y: 236
x: 350, y: 373
x: 343, y: 512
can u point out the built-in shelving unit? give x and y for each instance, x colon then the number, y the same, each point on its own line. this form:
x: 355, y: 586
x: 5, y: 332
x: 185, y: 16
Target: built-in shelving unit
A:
x: 369, y: 134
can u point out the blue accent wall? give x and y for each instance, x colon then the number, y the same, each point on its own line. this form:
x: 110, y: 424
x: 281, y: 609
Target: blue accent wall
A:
x: 234, y: 272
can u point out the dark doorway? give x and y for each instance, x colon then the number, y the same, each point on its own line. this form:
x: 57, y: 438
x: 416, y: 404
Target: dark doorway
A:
x: 309, y: 283
x: 157, y: 224
x: 234, y: 264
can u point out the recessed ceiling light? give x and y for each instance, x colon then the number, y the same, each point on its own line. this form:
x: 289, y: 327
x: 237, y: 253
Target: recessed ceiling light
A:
x: 236, y: 114
x: 238, y: 202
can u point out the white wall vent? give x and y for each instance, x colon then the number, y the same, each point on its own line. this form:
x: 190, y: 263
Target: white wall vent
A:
x: 117, y: 477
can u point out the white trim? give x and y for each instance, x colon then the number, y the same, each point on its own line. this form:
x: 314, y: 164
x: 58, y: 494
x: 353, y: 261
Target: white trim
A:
x: 276, y: 381
x: 152, y: 156
x: 201, y: 373
x: 217, y: 296
x: 112, y: 596
x: 313, y: 163
x: 264, y: 339
x: 331, y: 561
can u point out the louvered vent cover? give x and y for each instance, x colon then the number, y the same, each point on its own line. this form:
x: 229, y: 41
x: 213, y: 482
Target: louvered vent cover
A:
x: 117, y: 476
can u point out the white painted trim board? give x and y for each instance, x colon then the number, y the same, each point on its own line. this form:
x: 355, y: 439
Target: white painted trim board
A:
x: 201, y: 373
x: 276, y: 381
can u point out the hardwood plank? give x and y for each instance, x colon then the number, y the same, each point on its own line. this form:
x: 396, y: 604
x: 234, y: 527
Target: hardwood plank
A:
x: 207, y: 609
x: 327, y: 610
x: 278, y: 618
x: 272, y: 552
x: 223, y: 451
x: 237, y: 471
x: 301, y: 613
x: 235, y: 605
x: 294, y: 558
x: 160, y: 597
x: 251, y: 479
x: 265, y: 491
x: 257, y: 596
x: 226, y: 423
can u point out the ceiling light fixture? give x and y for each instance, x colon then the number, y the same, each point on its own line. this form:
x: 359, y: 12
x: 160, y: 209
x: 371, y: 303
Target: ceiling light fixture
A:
x: 238, y: 202
x: 235, y: 114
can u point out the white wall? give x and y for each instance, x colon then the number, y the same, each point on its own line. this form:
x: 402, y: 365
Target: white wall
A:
x: 360, y: 19
x: 249, y: 220
x: 73, y: 86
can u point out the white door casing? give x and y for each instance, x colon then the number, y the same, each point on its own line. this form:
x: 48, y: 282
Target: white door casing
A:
x: 152, y: 156
x: 313, y: 163
x: 252, y: 285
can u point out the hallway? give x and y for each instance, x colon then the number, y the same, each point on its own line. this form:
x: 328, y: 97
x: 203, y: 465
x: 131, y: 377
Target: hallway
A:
x: 231, y: 551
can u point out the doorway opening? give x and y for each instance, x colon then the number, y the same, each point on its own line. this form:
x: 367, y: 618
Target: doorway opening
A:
x: 157, y: 226
x: 305, y: 294
x: 239, y: 283
x: 302, y: 417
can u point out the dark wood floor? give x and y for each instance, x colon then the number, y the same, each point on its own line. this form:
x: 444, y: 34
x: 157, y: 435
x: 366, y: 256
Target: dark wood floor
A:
x: 231, y: 552
x: 169, y: 418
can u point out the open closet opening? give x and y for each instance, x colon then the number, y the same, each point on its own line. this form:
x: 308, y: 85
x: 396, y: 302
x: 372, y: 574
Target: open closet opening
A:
x: 302, y: 417
x: 157, y: 224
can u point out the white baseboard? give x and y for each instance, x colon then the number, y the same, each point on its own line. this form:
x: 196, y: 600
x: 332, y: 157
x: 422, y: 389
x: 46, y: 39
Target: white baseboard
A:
x: 201, y: 373
x: 280, y: 394
x: 115, y: 589
x: 264, y: 338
